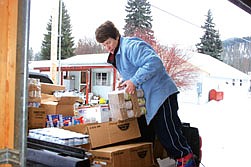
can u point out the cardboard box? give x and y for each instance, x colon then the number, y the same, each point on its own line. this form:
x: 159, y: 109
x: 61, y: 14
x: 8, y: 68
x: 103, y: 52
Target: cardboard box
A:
x: 118, y: 103
x: 63, y: 105
x: 51, y: 88
x: 56, y: 108
x: 106, y: 133
x: 34, y: 90
x: 34, y: 99
x: 36, y: 117
x: 47, y: 97
x: 80, y: 128
x: 130, y: 155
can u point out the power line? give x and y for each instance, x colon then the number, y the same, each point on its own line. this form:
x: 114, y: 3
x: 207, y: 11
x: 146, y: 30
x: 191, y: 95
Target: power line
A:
x: 180, y: 18
x: 184, y: 20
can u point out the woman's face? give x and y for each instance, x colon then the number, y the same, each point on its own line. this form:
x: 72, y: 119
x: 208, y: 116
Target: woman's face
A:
x: 110, y: 44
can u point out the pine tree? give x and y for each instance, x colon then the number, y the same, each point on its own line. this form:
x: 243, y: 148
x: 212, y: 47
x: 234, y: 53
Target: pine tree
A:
x: 67, y: 41
x: 46, y: 43
x: 210, y: 42
x: 138, y: 19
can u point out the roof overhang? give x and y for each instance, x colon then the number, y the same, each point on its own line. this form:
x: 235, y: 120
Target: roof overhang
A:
x: 243, y: 4
x: 74, y: 68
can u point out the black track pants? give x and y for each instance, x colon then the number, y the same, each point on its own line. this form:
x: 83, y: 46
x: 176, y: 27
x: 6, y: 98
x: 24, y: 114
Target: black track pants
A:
x: 167, y: 126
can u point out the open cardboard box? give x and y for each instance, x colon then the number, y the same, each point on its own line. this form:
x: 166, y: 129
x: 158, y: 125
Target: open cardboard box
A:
x: 63, y: 105
x: 49, y: 89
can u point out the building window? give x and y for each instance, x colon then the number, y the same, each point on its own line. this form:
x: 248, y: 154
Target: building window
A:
x: 102, y: 79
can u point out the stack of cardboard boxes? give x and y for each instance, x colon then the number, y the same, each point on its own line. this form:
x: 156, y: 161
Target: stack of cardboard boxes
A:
x: 42, y: 102
x: 36, y: 114
x: 57, y: 105
x: 124, y: 110
x: 111, y: 143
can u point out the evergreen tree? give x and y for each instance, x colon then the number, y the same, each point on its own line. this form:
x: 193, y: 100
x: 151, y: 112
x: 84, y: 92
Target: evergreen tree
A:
x: 210, y: 42
x: 46, y: 43
x: 67, y: 41
x: 138, y: 19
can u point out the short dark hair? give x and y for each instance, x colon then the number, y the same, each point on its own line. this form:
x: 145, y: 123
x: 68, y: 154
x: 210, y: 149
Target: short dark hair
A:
x: 105, y: 31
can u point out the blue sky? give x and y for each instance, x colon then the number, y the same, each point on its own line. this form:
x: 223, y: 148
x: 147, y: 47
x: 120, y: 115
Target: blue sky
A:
x: 169, y: 25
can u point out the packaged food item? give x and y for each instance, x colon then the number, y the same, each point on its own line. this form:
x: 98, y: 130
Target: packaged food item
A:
x: 123, y: 105
x: 128, y: 105
x: 59, y: 136
x: 140, y: 93
x: 34, y: 92
x: 141, y: 101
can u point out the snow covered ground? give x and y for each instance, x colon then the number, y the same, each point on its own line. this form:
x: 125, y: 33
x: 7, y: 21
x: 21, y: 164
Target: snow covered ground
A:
x: 224, y: 127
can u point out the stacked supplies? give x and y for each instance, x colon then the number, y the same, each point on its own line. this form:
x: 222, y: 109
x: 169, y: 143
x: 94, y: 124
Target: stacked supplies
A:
x: 123, y: 105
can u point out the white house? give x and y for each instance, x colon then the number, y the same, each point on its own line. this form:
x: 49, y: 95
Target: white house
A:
x: 214, y: 74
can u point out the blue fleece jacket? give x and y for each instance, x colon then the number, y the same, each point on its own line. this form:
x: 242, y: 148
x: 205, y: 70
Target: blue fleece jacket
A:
x: 137, y: 61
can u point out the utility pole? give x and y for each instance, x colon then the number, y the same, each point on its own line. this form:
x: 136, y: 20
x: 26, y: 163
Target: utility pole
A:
x: 54, y: 40
x: 59, y: 42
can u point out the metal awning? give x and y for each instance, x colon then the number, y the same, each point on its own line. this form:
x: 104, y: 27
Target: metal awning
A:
x: 243, y: 4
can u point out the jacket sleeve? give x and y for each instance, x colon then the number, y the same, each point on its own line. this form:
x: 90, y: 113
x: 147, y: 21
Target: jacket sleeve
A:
x: 144, y: 57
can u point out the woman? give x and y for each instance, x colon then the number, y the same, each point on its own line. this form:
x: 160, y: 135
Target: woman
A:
x: 141, y: 67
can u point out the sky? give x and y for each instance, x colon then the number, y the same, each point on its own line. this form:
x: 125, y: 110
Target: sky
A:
x: 175, y: 22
